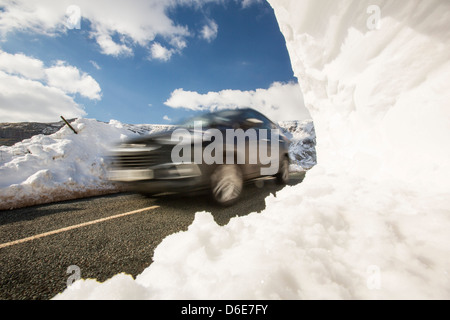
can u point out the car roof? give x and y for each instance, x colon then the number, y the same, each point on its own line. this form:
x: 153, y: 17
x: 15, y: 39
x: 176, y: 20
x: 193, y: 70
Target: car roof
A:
x: 237, y: 110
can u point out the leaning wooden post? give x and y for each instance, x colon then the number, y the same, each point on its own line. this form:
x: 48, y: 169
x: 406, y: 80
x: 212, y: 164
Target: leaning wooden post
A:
x: 69, y: 125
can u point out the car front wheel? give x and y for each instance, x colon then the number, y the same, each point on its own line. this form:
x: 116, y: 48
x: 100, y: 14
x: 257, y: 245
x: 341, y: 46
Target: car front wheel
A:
x: 226, y: 184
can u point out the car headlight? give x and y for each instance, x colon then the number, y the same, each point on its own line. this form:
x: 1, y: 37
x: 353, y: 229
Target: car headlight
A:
x: 131, y: 147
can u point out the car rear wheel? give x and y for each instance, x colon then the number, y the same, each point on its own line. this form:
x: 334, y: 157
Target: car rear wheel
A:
x: 282, y: 177
x: 226, y: 184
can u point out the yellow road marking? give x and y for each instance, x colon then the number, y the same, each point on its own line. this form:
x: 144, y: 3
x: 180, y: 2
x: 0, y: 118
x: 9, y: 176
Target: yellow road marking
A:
x: 42, y: 235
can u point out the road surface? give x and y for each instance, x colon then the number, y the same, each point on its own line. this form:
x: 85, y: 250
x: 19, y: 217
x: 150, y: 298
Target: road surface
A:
x: 101, y: 236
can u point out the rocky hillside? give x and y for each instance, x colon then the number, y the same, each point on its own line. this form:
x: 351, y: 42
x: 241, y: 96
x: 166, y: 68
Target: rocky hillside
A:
x: 303, y: 139
x: 11, y: 133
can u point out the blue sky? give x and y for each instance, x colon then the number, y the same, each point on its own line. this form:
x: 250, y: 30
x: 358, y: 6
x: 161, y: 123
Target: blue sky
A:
x: 211, y: 52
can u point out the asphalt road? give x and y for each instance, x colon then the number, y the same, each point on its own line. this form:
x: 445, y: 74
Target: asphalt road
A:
x: 93, y: 235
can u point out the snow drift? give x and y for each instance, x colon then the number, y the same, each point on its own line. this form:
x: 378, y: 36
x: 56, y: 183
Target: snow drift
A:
x: 62, y: 166
x: 371, y: 220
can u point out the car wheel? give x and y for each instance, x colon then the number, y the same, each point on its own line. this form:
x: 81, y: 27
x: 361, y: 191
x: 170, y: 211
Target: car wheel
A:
x: 226, y: 184
x: 282, y: 177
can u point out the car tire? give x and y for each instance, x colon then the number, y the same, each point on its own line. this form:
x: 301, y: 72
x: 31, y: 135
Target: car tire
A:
x: 282, y: 177
x: 226, y: 184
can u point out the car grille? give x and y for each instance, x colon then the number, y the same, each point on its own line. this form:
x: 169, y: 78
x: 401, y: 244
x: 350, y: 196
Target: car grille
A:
x: 137, y: 160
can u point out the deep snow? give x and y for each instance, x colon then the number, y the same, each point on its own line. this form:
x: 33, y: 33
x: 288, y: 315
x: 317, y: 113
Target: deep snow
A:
x: 371, y: 220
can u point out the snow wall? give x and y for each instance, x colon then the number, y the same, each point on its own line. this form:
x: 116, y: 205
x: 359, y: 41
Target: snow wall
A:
x: 375, y: 78
x: 371, y: 220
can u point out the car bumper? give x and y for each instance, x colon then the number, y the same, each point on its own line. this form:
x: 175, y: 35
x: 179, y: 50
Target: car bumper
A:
x: 160, y: 179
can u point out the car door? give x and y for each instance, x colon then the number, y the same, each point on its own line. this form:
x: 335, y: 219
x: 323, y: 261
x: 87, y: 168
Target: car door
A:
x: 258, y: 146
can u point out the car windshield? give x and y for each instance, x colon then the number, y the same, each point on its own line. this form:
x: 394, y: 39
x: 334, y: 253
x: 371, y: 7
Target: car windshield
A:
x: 225, y: 117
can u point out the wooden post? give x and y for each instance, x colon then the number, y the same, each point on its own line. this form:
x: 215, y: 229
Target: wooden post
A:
x: 69, y: 125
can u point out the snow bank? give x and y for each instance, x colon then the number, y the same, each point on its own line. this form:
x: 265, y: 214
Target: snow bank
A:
x: 372, y: 220
x: 378, y: 97
x: 59, y: 167
x: 314, y: 241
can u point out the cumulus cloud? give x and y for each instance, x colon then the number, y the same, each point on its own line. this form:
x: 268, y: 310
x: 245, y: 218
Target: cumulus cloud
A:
x: 24, y: 100
x: 282, y: 101
x: 159, y: 52
x: 117, y: 26
x: 22, y: 65
x: 71, y: 80
x: 30, y: 91
x: 210, y: 31
x: 109, y: 47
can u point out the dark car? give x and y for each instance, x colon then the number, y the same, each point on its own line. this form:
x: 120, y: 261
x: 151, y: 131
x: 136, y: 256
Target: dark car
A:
x: 216, y: 152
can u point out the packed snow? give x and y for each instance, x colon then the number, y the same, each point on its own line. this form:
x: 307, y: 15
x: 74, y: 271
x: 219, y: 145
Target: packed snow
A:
x: 372, y: 219
x: 314, y: 241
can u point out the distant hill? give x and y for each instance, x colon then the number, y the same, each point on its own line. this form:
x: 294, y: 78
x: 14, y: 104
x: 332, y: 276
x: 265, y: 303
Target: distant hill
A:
x: 303, y: 142
x: 11, y: 133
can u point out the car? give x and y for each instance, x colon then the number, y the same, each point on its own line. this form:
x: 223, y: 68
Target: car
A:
x: 216, y: 152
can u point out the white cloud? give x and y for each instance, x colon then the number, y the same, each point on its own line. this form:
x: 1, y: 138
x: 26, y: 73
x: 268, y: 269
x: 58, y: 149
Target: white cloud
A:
x: 109, y: 47
x: 33, y: 16
x: 178, y: 43
x: 248, y: 3
x: 160, y: 53
x: 117, y: 26
x: 71, y: 80
x: 166, y: 118
x: 29, y: 91
x: 210, y: 31
x: 24, y: 100
x: 95, y: 65
x: 20, y: 64
x: 279, y: 102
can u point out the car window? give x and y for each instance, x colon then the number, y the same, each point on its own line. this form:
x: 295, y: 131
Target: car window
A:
x: 265, y: 123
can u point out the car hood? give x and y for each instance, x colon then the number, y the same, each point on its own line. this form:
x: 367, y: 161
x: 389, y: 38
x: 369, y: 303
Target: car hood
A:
x: 154, y: 137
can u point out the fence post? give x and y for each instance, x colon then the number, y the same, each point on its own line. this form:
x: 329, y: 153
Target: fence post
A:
x: 69, y: 125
